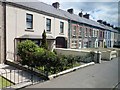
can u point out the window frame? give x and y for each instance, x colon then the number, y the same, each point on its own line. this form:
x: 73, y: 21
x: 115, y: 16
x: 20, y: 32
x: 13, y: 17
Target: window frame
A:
x: 86, y: 32
x: 74, y: 30
x: 48, y: 25
x: 29, y: 21
x: 61, y: 27
x: 80, y: 32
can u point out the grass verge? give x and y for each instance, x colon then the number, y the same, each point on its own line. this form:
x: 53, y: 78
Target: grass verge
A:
x: 4, y: 82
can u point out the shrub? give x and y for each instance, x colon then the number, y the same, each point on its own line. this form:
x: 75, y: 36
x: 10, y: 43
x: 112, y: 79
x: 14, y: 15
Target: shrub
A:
x: 25, y: 50
x: 47, y: 61
x: 39, y: 57
x: 88, y: 58
x: 44, y: 41
x: 105, y: 46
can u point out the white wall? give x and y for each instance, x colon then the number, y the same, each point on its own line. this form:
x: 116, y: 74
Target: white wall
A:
x: 16, y: 26
x: 112, y: 39
x: 1, y: 34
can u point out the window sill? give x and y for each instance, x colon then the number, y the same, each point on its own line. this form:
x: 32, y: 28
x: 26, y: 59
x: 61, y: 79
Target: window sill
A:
x: 29, y: 30
x: 61, y: 33
x: 48, y: 32
x: 79, y: 36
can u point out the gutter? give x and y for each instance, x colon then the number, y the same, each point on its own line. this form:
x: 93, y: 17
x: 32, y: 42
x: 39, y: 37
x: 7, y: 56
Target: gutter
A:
x: 69, y: 32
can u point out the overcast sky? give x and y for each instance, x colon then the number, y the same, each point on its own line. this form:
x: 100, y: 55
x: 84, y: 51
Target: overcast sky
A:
x: 106, y: 10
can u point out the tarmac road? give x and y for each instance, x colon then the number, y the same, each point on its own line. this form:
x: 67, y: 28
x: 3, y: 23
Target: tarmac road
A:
x: 104, y: 75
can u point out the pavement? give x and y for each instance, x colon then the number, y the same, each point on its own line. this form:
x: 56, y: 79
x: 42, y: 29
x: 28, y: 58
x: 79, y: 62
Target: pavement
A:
x: 104, y: 75
x: 18, y: 77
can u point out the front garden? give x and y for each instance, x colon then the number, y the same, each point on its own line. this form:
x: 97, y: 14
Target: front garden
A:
x: 47, y: 61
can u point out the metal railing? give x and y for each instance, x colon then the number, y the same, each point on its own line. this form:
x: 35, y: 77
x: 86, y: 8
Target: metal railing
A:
x: 10, y: 76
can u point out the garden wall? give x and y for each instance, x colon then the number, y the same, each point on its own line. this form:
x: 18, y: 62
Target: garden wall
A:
x: 77, y: 52
x: 74, y: 52
x: 106, y: 54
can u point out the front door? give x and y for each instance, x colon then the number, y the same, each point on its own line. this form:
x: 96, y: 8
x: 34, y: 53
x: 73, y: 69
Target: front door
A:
x: 61, y: 42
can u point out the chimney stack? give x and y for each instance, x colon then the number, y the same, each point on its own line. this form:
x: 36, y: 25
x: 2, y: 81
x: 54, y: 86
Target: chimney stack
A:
x: 56, y: 5
x: 86, y: 16
x: 112, y: 26
x: 108, y: 24
x: 105, y: 23
x: 70, y: 11
x: 100, y: 21
x: 81, y: 14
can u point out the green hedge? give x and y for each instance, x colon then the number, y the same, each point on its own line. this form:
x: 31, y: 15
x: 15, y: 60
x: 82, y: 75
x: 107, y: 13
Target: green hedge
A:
x: 47, y: 61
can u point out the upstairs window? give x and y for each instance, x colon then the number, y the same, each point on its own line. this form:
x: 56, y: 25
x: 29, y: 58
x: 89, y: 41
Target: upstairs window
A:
x: 86, y: 32
x: 48, y: 25
x: 74, y: 31
x: 80, y: 31
x: 97, y: 33
x: 101, y: 33
x: 61, y: 27
x: 29, y: 21
x: 91, y: 32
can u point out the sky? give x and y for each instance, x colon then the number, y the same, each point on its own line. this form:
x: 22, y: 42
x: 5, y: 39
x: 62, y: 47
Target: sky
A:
x: 106, y: 10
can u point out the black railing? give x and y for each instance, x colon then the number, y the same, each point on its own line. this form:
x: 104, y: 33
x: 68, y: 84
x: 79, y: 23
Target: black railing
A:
x: 9, y: 77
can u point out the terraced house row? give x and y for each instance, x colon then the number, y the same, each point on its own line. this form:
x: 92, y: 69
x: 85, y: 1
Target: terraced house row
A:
x: 27, y: 20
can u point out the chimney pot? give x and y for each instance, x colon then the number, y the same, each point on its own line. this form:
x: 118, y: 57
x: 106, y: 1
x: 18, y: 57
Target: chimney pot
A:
x: 81, y: 14
x: 86, y: 16
x: 105, y: 23
x: 112, y: 26
x: 56, y: 5
x: 108, y: 24
x: 70, y: 11
x: 100, y: 21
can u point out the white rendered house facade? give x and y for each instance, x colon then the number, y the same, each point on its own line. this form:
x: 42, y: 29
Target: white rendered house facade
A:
x: 27, y: 24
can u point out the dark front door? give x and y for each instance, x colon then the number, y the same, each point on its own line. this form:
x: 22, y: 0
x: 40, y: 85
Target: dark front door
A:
x: 61, y: 42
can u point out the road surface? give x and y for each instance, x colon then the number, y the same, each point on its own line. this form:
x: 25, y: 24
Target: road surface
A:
x: 104, y: 75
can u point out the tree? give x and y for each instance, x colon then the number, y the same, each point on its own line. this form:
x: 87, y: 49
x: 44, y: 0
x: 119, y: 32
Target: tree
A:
x: 44, y: 41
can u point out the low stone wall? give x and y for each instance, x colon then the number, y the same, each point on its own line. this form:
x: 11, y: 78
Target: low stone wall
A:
x: 108, y: 55
x: 118, y: 51
x: 105, y: 53
x: 74, y: 52
x: 77, y: 52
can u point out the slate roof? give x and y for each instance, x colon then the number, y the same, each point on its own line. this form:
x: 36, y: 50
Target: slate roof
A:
x: 37, y: 5
x: 109, y: 28
x: 77, y: 18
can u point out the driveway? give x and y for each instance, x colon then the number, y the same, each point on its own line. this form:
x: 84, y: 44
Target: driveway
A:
x: 104, y: 75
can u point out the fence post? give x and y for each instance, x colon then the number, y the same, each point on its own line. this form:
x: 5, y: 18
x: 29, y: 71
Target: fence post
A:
x: 97, y: 58
x: 31, y: 74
